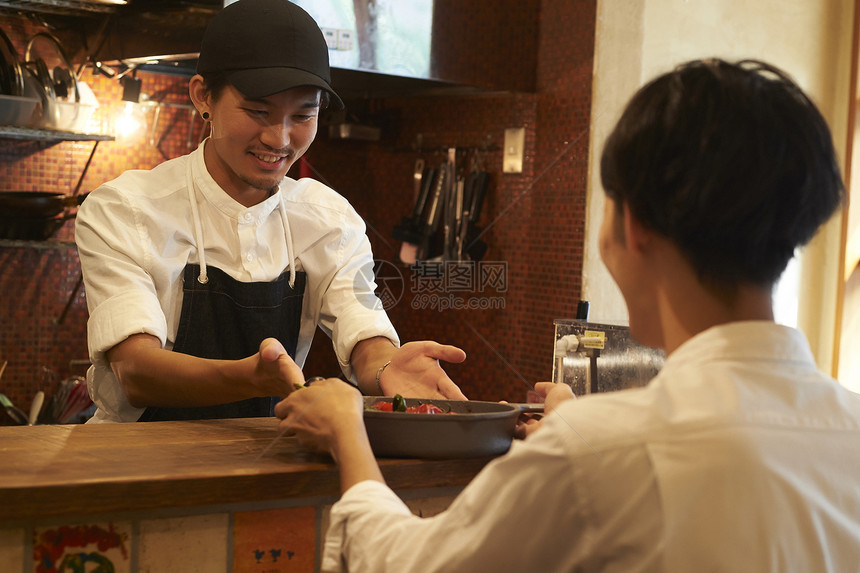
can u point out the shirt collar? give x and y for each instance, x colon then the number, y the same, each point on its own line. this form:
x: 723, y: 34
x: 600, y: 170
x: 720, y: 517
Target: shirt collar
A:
x: 753, y: 340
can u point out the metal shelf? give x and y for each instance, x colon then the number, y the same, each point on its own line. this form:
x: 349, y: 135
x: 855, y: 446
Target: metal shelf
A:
x: 13, y: 132
x: 64, y: 7
x: 17, y: 243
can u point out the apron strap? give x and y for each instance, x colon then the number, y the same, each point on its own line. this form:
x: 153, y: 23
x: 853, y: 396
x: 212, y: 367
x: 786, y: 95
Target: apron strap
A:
x: 198, y: 228
x: 290, y: 255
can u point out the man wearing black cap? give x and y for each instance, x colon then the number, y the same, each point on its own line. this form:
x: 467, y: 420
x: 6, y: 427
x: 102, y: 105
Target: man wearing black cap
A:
x: 207, y: 276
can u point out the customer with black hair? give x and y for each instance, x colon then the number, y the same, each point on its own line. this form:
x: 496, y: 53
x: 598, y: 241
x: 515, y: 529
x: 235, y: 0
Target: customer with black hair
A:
x: 207, y: 277
x: 740, y: 455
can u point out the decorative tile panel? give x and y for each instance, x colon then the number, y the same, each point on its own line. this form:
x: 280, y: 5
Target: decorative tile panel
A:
x: 275, y: 540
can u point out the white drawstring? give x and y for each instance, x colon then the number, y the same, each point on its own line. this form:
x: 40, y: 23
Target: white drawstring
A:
x: 198, y: 228
x: 289, y: 235
x: 198, y: 232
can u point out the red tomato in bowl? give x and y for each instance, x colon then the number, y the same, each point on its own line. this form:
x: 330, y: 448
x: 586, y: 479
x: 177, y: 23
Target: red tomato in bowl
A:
x: 383, y: 406
x: 426, y: 409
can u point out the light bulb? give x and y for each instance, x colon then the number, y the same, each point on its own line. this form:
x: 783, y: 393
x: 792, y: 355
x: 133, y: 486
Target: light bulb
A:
x: 130, y: 124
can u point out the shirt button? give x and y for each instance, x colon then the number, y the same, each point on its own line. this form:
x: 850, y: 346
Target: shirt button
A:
x: 249, y: 257
x: 246, y: 218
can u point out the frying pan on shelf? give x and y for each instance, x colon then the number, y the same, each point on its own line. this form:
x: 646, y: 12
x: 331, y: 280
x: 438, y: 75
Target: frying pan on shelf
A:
x: 35, y: 215
x: 31, y: 229
x: 34, y: 204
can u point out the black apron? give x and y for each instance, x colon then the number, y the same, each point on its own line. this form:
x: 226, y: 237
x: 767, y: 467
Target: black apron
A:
x: 227, y: 319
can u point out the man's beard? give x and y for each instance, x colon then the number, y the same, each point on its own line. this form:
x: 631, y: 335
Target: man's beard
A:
x: 263, y: 184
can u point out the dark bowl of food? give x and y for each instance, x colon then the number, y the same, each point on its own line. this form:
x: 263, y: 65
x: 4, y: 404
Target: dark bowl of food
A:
x: 439, y: 428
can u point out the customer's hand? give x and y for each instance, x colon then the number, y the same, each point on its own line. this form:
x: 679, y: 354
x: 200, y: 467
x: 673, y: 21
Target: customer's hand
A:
x: 320, y: 414
x: 329, y: 416
x: 554, y: 395
x: 415, y: 372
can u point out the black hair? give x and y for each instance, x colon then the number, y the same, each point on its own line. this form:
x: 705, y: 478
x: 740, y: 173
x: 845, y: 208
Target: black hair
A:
x: 215, y: 82
x: 731, y: 162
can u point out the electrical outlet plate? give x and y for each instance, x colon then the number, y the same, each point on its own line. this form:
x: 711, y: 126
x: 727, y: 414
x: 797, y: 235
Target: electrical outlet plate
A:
x: 515, y: 139
x: 330, y: 35
x: 344, y: 40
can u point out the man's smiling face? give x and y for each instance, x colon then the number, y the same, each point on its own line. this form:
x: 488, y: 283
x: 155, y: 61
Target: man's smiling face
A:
x: 255, y: 142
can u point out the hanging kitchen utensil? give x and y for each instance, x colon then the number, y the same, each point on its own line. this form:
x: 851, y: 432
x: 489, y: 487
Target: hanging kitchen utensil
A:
x: 417, y: 174
x: 476, y: 248
x: 410, y: 228
x: 463, y: 229
x: 434, y: 211
x: 11, y: 78
x: 449, y: 220
x: 459, y: 220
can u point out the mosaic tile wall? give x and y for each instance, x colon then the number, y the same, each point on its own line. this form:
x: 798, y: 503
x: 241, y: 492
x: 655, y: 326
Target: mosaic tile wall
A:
x: 534, y: 221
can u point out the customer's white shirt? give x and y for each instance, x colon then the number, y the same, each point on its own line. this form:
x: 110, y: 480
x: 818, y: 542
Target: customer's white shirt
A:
x: 135, y: 235
x: 739, y: 456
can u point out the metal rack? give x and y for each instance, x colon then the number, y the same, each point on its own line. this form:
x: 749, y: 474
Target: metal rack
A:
x: 31, y: 134
x: 63, y: 7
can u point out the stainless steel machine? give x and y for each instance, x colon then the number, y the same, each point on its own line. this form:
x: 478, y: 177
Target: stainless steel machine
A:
x: 593, y: 357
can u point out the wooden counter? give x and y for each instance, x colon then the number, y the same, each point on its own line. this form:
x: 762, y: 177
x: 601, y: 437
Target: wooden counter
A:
x: 80, y: 470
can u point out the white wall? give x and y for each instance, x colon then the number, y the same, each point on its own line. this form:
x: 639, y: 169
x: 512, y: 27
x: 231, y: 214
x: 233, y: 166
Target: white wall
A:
x: 849, y: 363
x: 809, y: 39
x: 617, y: 75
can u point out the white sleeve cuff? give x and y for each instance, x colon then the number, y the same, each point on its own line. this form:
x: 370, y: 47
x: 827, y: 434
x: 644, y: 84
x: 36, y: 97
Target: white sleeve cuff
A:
x: 359, y: 325
x: 130, y: 312
x: 358, y: 502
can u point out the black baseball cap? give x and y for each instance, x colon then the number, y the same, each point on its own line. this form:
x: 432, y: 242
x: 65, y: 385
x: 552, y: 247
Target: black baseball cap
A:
x: 265, y: 47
